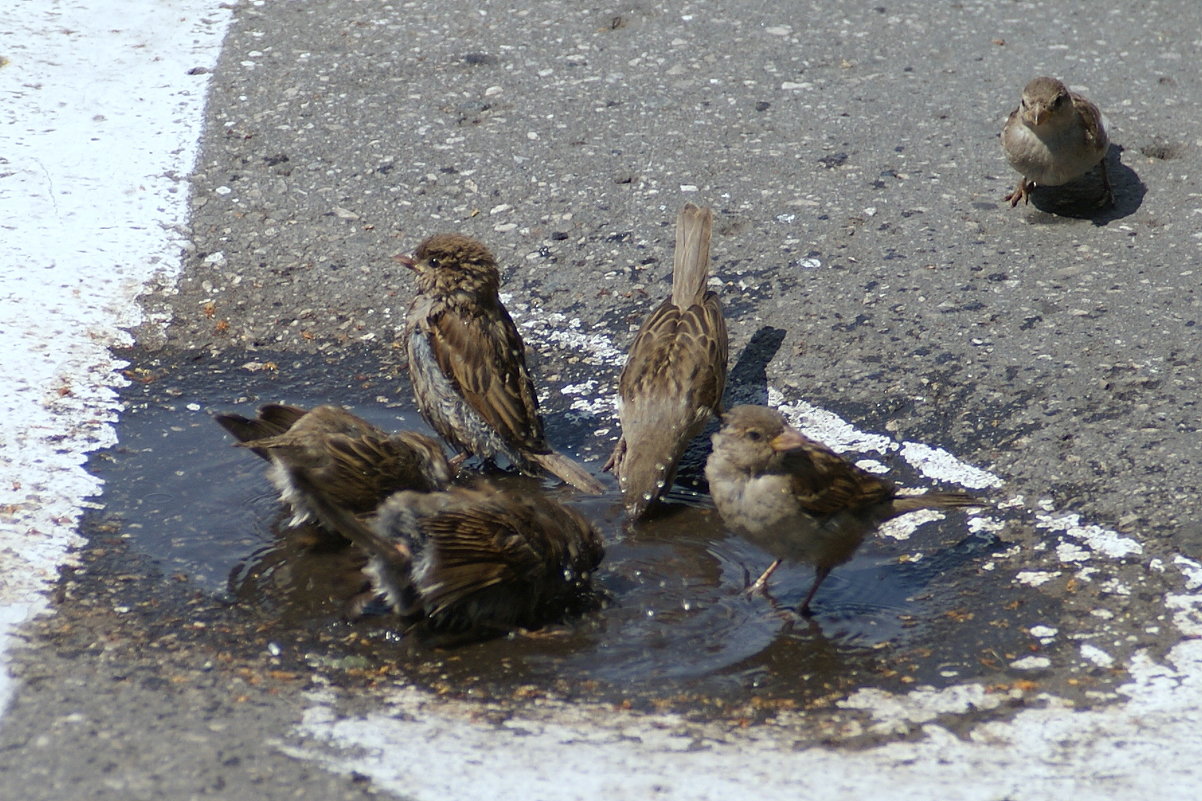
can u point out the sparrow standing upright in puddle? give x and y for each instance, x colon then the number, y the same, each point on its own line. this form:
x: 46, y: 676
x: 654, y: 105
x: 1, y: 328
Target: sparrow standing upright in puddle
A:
x: 468, y: 363
x: 1053, y: 137
x: 675, y: 374
x: 472, y: 563
x: 355, y: 464
x: 798, y: 499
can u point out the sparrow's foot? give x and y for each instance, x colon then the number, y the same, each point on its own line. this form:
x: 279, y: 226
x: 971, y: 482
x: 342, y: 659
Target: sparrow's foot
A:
x: 1021, y: 192
x: 615, y: 457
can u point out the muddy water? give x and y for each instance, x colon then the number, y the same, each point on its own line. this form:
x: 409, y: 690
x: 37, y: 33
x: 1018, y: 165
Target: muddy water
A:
x: 676, y: 624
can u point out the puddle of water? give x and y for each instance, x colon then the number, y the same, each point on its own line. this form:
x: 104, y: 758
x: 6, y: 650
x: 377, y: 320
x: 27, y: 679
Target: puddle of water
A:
x: 677, y: 623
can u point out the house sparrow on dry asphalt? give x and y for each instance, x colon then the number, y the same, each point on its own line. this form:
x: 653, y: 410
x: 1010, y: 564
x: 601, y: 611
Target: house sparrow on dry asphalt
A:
x: 1053, y: 137
x: 675, y: 374
x: 468, y: 363
x: 796, y: 498
x: 354, y: 463
x: 472, y: 563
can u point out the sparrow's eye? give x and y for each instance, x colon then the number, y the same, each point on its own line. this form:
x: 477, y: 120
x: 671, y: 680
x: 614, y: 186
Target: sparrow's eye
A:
x: 1059, y: 101
x: 1024, y: 102
x: 754, y: 436
x: 434, y: 263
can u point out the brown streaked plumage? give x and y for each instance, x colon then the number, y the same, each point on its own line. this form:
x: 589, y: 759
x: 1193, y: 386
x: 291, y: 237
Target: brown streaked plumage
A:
x: 1053, y: 137
x: 356, y: 464
x: 798, y: 499
x: 676, y: 372
x: 468, y: 362
x: 472, y: 563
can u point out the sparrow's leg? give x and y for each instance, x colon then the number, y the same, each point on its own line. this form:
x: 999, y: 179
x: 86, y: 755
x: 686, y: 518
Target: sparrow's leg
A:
x: 762, y: 581
x: 821, y: 573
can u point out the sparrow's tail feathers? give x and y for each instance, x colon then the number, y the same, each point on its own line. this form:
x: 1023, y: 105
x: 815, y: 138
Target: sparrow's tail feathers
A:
x: 568, y: 470
x: 274, y: 419
x: 935, y: 500
x: 691, y: 263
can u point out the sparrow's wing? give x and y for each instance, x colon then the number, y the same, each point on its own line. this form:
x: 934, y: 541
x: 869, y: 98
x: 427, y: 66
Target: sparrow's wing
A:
x: 679, y: 354
x: 711, y: 329
x: 1012, y: 139
x: 329, y: 419
x: 475, y: 548
x: 484, y: 357
x: 363, y: 471
x: 825, y: 483
x: 650, y: 352
x: 1091, y: 122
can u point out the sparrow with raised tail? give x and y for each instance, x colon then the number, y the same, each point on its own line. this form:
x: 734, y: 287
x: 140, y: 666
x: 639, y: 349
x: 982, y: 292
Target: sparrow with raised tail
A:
x: 354, y: 464
x: 473, y: 563
x: 675, y: 374
x: 798, y: 499
x: 468, y: 363
x: 1053, y: 137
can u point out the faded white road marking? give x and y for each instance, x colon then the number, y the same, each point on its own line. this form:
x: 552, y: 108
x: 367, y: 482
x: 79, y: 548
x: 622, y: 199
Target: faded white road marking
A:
x: 98, y: 130
x: 427, y: 749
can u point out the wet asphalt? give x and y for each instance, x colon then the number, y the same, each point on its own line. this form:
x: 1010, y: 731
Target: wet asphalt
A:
x: 850, y: 151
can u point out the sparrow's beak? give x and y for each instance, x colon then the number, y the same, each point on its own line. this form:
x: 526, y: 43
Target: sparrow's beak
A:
x: 1040, y: 114
x: 405, y: 260
x: 788, y: 440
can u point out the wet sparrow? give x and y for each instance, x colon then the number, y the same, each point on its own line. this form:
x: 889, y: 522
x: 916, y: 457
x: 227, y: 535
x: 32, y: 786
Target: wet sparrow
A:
x: 468, y: 363
x: 354, y: 463
x: 675, y: 374
x: 472, y: 563
x: 796, y: 498
x: 1053, y: 137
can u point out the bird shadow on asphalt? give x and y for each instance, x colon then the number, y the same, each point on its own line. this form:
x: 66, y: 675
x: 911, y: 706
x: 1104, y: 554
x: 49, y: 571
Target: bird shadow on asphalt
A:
x: 1078, y: 200
x: 748, y: 379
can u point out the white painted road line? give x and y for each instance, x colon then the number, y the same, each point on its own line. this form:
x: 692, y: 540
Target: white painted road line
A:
x: 99, y: 127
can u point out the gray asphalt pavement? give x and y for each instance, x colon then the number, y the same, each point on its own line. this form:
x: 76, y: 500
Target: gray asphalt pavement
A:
x: 850, y: 151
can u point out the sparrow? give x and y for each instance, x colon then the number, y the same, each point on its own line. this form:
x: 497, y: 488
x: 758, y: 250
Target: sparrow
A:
x: 355, y: 464
x: 798, y: 499
x: 1053, y: 137
x: 675, y: 374
x: 473, y: 562
x: 468, y: 363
